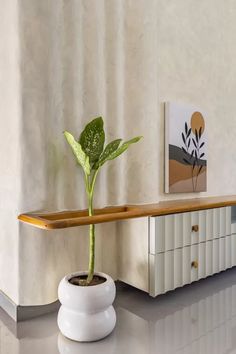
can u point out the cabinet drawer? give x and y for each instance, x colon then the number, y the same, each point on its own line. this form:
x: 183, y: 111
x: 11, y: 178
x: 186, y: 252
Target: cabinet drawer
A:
x: 175, y: 268
x: 169, y: 232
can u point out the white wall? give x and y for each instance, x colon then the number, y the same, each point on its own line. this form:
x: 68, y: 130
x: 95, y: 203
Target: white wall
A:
x: 196, y: 64
x: 9, y: 147
x: 120, y: 59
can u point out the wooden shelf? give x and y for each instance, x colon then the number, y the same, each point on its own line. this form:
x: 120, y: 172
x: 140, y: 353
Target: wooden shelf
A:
x: 68, y: 218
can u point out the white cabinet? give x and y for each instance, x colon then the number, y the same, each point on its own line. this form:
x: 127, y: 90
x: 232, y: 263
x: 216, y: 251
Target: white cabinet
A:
x: 184, y: 229
x: 177, y: 249
x: 187, y: 247
x: 172, y: 269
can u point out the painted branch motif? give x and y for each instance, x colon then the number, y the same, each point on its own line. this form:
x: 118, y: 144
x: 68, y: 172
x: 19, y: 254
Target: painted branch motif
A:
x: 192, y: 140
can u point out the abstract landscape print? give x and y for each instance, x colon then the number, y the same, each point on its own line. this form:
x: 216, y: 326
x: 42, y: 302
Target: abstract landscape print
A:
x: 185, y: 149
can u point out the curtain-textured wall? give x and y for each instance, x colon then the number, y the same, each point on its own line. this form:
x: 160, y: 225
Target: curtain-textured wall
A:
x: 119, y: 59
x: 10, y: 114
x: 82, y: 59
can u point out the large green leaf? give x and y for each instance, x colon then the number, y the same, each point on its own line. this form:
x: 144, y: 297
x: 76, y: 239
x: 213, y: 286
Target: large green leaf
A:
x: 80, y: 155
x: 109, y: 149
x: 118, y: 151
x: 92, y: 139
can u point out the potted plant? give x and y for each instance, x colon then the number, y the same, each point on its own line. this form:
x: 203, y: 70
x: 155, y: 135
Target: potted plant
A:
x: 87, y: 313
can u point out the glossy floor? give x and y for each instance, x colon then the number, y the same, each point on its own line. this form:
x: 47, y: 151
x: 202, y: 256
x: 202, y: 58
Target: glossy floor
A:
x: 197, y: 319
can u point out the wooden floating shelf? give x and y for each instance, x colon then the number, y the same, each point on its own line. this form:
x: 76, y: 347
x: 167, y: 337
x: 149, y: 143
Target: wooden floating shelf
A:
x: 68, y: 218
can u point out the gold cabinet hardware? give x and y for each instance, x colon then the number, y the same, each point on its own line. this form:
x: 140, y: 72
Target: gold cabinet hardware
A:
x: 194, y: 264
x: 195, y: 228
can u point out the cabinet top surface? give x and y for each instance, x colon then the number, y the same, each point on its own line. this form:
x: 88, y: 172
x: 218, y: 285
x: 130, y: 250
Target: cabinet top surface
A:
x: 71, y: 218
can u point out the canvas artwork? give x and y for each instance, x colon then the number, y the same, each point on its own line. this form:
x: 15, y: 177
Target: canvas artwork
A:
x: 185, y: 150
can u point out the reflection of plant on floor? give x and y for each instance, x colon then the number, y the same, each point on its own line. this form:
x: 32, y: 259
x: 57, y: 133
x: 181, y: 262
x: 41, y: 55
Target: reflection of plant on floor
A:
x: 196, y: 155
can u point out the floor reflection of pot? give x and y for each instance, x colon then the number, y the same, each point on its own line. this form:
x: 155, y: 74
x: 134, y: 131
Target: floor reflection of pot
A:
x: 67, y: 346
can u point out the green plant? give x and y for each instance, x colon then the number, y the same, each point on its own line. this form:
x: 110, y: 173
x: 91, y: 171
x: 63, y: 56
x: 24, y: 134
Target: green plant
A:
x: 91, y: 156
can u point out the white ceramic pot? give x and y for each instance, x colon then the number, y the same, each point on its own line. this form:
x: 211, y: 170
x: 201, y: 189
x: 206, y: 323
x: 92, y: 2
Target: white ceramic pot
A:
x: 86, y: 313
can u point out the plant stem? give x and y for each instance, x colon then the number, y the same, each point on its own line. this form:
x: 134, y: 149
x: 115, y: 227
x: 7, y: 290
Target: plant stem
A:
x: 91, y: 229
x: 91, y: 244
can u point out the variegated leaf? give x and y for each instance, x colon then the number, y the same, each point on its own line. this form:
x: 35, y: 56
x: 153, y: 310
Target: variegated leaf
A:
x: 92, y: 139
x: 80, y: 155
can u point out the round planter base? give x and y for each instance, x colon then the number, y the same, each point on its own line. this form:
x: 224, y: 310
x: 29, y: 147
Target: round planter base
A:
x: 81, y: 328
x: 86, y: 313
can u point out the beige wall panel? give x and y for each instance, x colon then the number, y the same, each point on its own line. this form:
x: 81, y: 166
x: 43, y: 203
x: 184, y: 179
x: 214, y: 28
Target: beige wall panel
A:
x: 132, y: 252
x: 10, y: 153
x: 120, y: 59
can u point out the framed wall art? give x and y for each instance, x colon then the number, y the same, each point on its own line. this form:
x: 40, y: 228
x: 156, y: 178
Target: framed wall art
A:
x: 185, y: 149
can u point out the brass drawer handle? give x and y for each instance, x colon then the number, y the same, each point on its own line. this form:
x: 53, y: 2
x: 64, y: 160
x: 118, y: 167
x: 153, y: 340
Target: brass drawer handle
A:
x: 195, y: 228
x: 194, y: 264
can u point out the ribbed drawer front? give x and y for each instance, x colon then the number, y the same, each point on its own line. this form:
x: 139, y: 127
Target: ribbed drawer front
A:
x: 175, y: 268
x: 179, y: 230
